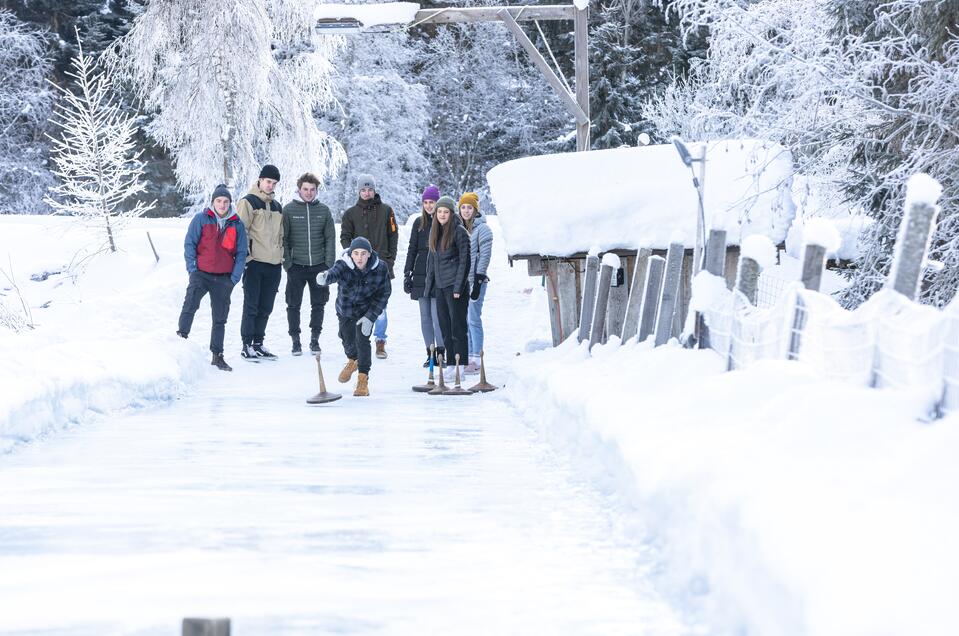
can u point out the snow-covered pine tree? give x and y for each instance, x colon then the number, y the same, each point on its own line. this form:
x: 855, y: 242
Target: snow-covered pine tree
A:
x: 232, y: 86
x: 25, y: 104
x: 95, y: 157
x: 381, y: 117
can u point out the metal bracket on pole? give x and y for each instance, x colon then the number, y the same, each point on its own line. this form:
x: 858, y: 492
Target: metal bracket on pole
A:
x: 568, y: 99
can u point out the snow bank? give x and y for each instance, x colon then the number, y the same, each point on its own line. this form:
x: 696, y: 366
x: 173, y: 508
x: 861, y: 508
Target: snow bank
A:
x: 790, y: 504
x: 631, y: 197
x: 369, y: 14
x: 103, y: 341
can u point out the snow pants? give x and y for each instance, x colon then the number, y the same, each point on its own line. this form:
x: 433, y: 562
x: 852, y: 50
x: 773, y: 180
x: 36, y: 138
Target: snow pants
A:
x: 298, y: 277
x: 452, y: 314
x: 261, y: 281
x: 356, y: 345
x: 219, y: 286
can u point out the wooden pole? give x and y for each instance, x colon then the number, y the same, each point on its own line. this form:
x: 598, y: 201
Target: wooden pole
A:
x: 654, y: 284
x: 635, y: 303
x: 748, y: 280
x: 206, y: 627
x: 715, y: 265
x: 602, y: 304
x: 667, y: 305
x: 618, y: 298
x: 814, y: 258
x: 906, y: 273
x: 581, y: 24
x: 152, y: 247
x: 572, y: 105
x: 589, y: 296
x: 455, y: 15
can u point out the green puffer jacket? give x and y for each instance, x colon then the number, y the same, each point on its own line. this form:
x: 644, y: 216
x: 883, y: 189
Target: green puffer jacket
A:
x: 309, y: 236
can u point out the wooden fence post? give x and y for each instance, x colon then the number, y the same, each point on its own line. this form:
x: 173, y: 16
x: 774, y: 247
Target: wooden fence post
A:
x: 589, y: 296
x: 206, y: 627
x: 654, y: 285
x: 602, y: 304
x: 911, y: 248
x: 814, y: 257
x: 667, y: 305
x: 747, y: 280
x: 561, y: 292
x: 618, y: 298
x: 715, y: 265
x: 635, y: 303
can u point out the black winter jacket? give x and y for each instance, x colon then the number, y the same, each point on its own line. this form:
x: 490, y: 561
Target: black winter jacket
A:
x: 362, y: 292
x: 375, y: 221
x: 450, y: 268
x: 416, y: 256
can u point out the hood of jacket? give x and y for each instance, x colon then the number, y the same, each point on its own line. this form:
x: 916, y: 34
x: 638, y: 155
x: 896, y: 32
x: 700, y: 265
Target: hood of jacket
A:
x: 375, y: 201
x: 371, y: 264
x: 261, y: 195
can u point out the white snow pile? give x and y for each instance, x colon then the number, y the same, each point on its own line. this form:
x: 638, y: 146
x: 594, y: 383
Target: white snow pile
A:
x: 822, y: 233
x: 640, y: 197
x: 782, y: 502
x: 369, y: 14
x: 921, y: 188
x: 611, y: 260
x: 760, y: 249
x: 102, y: 341
x: 817, y: 199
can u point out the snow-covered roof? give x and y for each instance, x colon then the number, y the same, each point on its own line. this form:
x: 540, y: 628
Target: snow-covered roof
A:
x: 628, y: 198
x: 369, y: 14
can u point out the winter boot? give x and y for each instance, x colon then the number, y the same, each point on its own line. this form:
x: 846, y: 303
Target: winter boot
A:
x: 220, y: 363
x: 381, y: 349
x: 315, y: 342
x: 362, y: 385
x: 297, y: 349
x: 429, y: 358
x: 263, y: 353
x: 249, y: 354
x: 347, y: 371
x: 473, y: 367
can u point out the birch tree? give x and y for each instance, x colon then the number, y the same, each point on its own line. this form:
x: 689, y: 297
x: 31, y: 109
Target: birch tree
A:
x: 95, y: 156
x: 232, y: 85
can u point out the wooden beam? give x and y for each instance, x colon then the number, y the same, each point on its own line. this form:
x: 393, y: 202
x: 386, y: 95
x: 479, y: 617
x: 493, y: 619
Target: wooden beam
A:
x: 491, y: 14
x: 571, y: 105
x: 580, y: 41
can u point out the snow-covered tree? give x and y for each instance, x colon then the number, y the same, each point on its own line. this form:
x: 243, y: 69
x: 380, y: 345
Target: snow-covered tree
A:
x: 25, y: 103
x: 232, y: 85
x: 95, y: 157
x: 381, y: 117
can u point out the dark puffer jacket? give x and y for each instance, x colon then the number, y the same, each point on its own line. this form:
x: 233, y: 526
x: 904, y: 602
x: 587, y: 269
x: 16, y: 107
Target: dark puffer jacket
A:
x: 450, y: 268
x: 417, y: 254
x: 373, y: 220
x: 309, y: 236
x: 362, y: 292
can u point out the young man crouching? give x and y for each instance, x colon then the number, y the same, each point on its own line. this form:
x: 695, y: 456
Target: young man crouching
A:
x: 364, y: 290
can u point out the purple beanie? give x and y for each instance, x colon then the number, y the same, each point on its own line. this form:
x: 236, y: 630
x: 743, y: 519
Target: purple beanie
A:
x: 431, y: 193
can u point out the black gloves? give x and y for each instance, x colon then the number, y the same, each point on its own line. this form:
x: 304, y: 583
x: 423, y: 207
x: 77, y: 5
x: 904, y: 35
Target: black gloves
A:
x: 478, y: 280
x: 408, y: 284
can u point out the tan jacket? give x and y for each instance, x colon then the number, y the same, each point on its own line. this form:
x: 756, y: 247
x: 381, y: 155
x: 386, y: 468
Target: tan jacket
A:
x: 264, y: 227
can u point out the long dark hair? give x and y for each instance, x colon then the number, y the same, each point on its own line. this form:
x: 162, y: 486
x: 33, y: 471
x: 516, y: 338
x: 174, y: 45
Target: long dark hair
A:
x: 445, y: 241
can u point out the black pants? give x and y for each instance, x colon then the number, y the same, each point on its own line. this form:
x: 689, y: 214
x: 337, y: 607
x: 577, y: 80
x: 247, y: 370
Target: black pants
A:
x: 296, y: 277
x: 219, y: 286
x: 261, y: 281
x: 452, y: 313
x: 356, y: 345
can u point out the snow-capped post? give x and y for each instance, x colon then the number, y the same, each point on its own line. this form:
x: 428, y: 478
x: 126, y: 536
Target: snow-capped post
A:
x: 608, y: 268
x: 820, y: 238
x: 915, y: 233
x: 589, y: 294
x: 635, y: 303
x: 667, y: 304
x: 95, y: 157
x: 756, y: 253
x: 654, y: 285
x: 206, y: 627
x: 715, y: 258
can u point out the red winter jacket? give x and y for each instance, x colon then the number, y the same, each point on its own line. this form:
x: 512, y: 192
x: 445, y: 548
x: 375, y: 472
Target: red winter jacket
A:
x: 210, y: 250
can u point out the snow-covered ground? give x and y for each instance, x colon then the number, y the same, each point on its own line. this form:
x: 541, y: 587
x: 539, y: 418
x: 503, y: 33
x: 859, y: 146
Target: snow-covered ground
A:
x: 633, y: 491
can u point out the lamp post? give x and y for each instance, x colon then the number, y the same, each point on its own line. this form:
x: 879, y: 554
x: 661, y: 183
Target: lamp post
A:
x: 688, y: 160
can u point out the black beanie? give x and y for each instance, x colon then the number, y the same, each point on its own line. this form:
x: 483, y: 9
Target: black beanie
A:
x: 360, y: 243
x: 270, y: 171
x: 221, y: 191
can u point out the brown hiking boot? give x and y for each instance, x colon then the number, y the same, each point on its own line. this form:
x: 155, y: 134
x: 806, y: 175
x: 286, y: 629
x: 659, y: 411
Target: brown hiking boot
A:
x: 347, y: 371
x: 381, y: 349
x: 362, y: 385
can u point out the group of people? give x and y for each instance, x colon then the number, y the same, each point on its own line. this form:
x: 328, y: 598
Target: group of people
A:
x: 445, y: 271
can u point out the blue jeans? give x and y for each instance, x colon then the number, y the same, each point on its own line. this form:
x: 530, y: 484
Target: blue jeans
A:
x: 474, y: 320
x: 379, y: 327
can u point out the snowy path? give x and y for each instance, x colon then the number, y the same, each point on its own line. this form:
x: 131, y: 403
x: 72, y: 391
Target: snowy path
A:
x: 395, y: 514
